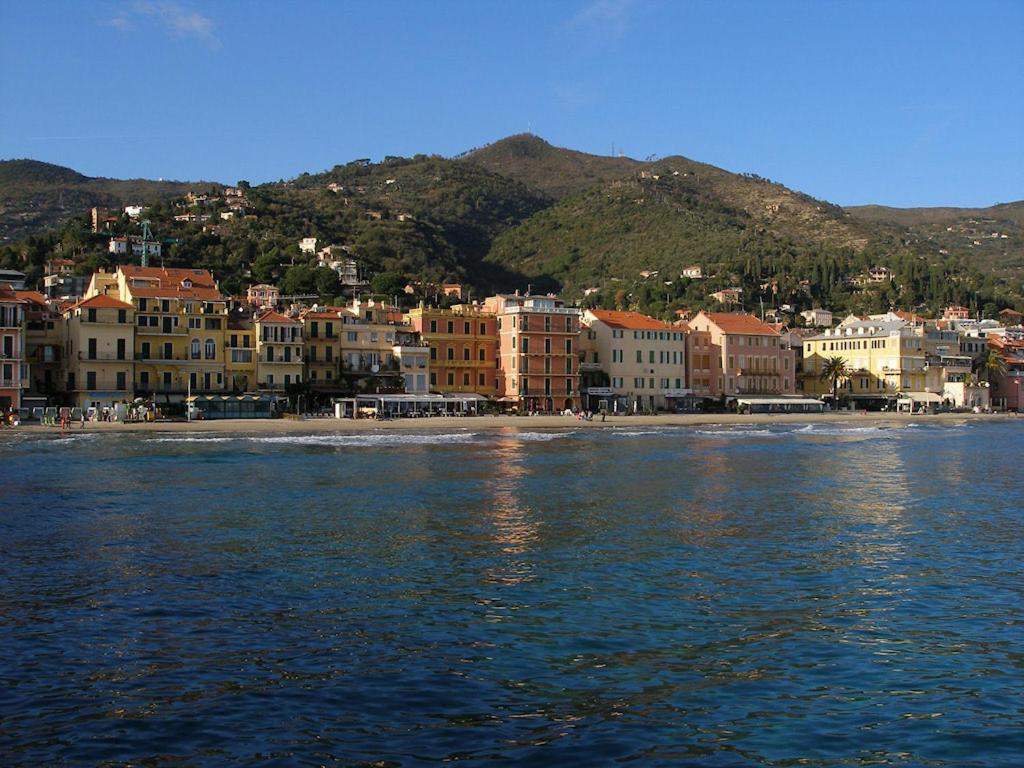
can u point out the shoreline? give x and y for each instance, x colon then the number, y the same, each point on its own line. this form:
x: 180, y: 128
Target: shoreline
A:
x: 475, y: 423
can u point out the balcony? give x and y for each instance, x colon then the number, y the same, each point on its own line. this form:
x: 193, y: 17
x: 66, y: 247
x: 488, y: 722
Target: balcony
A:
x: 10, y: 383
x: 104, y: 357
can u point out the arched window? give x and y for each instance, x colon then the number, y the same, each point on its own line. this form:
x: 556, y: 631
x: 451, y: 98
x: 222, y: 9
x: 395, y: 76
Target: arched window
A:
x: 195, y: 349
x: 211, y: 349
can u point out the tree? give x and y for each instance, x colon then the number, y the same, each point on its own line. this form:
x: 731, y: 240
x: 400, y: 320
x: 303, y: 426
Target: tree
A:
x: 989, y: 363
x: 388, y: 284
x: 326, y: 281
x: 834, y: 371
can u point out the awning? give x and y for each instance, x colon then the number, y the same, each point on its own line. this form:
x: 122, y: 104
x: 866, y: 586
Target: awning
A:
x: 778, y: 401
x: 921, y: 397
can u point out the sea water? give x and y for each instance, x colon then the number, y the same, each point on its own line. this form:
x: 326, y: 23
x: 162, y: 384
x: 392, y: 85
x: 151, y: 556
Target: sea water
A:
x: 685, y: 596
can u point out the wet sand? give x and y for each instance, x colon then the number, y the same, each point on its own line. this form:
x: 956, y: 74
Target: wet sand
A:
x: 317, y: 425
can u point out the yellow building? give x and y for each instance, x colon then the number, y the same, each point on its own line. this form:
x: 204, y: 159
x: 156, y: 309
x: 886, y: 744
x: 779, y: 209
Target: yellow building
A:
x: 98, y: 340
x: 240, y: 355
x: 278, y: 351
x: 887, y: 358
x: 322, y: 331
x: 180, y: 322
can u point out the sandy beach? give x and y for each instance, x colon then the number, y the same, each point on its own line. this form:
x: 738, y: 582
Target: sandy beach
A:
x: 318, y: 425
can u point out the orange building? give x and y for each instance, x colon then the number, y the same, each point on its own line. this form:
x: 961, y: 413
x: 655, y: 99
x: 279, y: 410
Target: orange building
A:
x: 463, y: 344
x: 537, y: 352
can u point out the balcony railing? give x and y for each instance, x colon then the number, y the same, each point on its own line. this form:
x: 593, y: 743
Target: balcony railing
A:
x: 105, y: 357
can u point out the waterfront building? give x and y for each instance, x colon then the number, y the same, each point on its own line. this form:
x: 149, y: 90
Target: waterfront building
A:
x: 412, y: 358
x: 180, y: 317
x: 99, y: 336
x: 703, y: 363
x: 463, y: 343
x: 322, y: 332
x: 240, y: 354
x: 44, y: 343
x: 278, y: 351
x: 537, y: 354
x: 752, y: 359
x: 14, y: 372
x: 644, y: 360
x: 1007, y: 390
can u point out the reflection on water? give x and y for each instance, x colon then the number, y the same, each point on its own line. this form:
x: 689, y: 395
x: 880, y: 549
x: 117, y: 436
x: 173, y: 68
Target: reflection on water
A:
x: 771, y: 596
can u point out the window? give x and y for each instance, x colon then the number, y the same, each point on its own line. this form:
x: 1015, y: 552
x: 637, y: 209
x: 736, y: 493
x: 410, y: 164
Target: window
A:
x: 433, y: 379
x: 90, y: 380
x: 121, y: 383
x: 465, y: 379
x: 483, y: 331
x: 466, y: 330
x: 433, y: 353
x: 195, y: 349
x: 144, y: 380
x: 314, y: 329
x: 526, y: 344
x: 91, y: 315
x: 451, y: 326
x: 92, y: 349
x: 483, y: 354
x: 466, y: 354
x: 451, y: 352
x: 568, y: 346
x: 353, y: 336
x: 433, y: 329
x: 211, y: 349
x: 639, y: 356
x: 547, y: 346
x: 451, y: 379
x: 121, y: 351
x: 168, y: 351
x: 167, y: 380
x: 145, y: 350
x: 481, y: 380
x: 122, y: 317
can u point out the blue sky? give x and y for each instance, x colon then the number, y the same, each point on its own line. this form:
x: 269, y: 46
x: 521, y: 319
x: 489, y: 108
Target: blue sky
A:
x: 897, y: 103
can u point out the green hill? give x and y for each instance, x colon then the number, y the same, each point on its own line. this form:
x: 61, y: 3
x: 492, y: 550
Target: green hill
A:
x: 36, y: 196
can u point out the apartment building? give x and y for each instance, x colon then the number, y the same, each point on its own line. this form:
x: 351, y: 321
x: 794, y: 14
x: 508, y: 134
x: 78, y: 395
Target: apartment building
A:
x: 751, y: 357
x: 14, y: 373
x: 644, y: 359
x: 463, y: 342
x: 279, y: 358
x: 99, y: 336
x: 537, y: 352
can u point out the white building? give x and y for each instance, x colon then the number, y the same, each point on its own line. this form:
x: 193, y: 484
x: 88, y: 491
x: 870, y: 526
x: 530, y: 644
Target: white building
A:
x: 820, y: 318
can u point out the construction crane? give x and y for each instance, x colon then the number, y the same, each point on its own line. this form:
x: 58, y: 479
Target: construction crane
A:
x: 147, y: 235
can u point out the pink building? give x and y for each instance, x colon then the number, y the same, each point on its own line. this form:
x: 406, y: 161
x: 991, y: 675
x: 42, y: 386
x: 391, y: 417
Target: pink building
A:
x: 1007, y: 390
x: 262, y: 296
x: 751, y: 357
x: 537, y: 352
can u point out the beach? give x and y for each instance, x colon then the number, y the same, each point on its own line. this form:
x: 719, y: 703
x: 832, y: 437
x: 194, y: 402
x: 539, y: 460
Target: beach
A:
x: 318, y: 425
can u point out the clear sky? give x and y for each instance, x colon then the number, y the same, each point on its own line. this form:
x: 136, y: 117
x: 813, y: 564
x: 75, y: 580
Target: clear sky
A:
x: 890, y: 102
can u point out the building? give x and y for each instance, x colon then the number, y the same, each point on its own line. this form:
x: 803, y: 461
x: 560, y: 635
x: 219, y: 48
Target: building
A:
x: 278, y: 351
x: 12, y: 279
x: 99, y: 335
x: 120, y: 246
x: 240, y: 354
x: 891, y: 359
x: 694, y: 272
x: 644, y: 360
x: 412, y: 358
x: 307, y: 245
x: 463, y: 345
x: 1007, y: 389
x: 322, y: 331
x: 180, y: 321
x: 14, y: 372
x: 751, y: 357
x: 819, y: 318
x: 728, y: 296
x: 956, y: 313
x: 263, y: 296
x: 537, y: 354
x: 44, y: 344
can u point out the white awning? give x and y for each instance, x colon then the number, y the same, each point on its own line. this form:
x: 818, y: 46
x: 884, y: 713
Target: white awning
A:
x: 921, y: 397
x: 779, y: 401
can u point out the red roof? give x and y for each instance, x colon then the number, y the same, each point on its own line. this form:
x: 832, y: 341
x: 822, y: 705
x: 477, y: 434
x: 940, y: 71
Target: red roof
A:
x: 34, y: 297
x: 164, y: 283
x: 100, y: 301
x: 632, y: 321
x: 270, y: 316
x: 739, y: 323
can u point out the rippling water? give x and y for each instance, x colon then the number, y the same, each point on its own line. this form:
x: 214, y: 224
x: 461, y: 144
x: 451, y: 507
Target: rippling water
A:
x: 712, y: 596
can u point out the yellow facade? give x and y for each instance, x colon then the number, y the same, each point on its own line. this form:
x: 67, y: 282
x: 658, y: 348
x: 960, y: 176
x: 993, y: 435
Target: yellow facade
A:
x: 98, y: 365
x: 240, y: 356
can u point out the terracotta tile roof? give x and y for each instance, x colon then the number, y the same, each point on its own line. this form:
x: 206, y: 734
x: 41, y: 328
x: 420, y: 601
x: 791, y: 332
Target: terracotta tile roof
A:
x: 632, y: 321
x: 34, y: 297
x: 270, y: 316
x: 9, y: 296
x: 740, y: 323
x: 910, y: 317
x: 100, y: 301
x: 165, y: 283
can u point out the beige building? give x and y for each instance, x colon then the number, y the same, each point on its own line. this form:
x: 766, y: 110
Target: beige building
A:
x: 278, y: 351
x: 240, y: 355
x: 752, y: 359
x: 99, y: 334
x: 644, y: 359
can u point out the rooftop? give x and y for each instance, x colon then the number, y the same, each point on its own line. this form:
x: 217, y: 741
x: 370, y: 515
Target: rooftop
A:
x: 633, y: 321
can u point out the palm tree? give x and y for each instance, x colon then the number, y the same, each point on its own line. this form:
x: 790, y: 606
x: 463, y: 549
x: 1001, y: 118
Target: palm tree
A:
x: 835, y: 370
x: 988, y: 364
